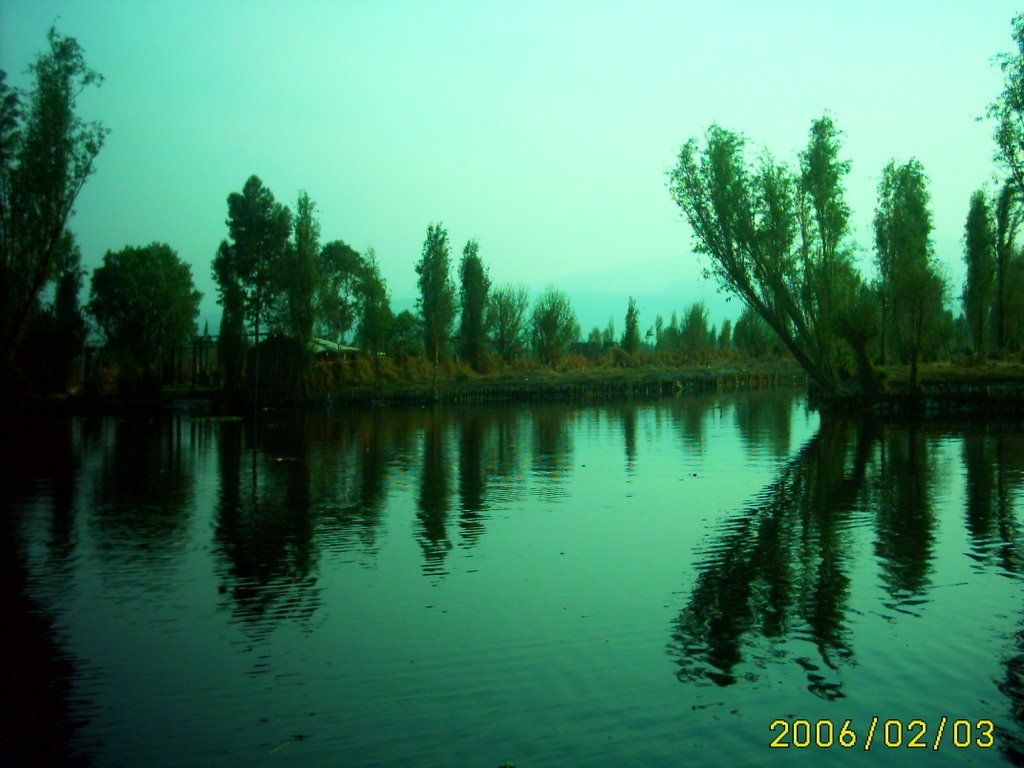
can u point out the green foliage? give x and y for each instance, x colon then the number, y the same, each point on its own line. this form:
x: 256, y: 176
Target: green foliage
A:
x: 694, y: 333
x: 375, y: 318
x: 259, y: 228
x: 1008, y: 108
x: 670, y: 338
x: 1013, y: 329
x: 725, y: 335
x: 145, y: 303
x: 553, y: 325
x: 298, y: 273
x: 1008, y: 216
x: 406, y: 335
x: 506, y: 318
x: 979, y: 253
x: 46, y: 155
x: 337, y: 300
x: 609, y: 332
x: 631, y: 336
x: 473, y: 290
x: 753, y: 335
x: 55, y: 336
x: 232, y: 343
x: 595, y: 343
x: 437, y: 292
x: 774, y: 238
x: 910, y: 279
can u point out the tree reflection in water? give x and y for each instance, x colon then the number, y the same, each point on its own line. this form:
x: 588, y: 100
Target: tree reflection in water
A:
x: 904, y: 516
x: 780, y: 568
x: 264, y: 530
x: 433, y: 500
x: 472, y: 475
x: 143, y: 499
x: 552, y: 449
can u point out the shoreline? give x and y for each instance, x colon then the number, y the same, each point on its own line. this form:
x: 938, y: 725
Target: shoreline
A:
x: 598, y: 385
x: 945, y: 390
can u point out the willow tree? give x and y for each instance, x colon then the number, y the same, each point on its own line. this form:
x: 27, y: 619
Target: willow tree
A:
x: 1009, y: 214
x: 506, y: 318
x: 1008, y: 108
x: 47, y: 152
x: 553, y: 325
x: 776, y: 238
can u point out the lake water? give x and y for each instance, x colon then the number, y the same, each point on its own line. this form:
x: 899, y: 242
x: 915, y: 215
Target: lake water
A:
x: 645, y: 584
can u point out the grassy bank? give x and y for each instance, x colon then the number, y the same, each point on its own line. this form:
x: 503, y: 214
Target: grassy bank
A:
x: 642, y: 381
x: 969, y: 388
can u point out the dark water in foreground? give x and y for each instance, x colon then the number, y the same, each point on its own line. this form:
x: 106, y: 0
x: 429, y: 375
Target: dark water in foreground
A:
x: 628, y: 585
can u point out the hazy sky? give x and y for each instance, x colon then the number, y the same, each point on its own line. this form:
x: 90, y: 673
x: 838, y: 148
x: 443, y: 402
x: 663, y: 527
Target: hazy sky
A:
x: 543, y: 129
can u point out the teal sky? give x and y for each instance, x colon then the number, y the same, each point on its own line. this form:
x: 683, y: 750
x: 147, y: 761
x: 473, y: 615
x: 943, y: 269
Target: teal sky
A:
x: 543, y: 129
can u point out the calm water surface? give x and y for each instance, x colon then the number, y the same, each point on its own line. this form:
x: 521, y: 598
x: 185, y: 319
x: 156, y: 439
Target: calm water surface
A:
x: 626, y: 585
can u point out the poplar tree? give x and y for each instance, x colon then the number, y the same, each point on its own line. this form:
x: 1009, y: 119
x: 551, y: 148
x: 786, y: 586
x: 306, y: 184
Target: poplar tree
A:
x: 979, y: 253
x: 437, y: 293
x: 903, y: 227
x: 631, y: 336
x: 473, y: 289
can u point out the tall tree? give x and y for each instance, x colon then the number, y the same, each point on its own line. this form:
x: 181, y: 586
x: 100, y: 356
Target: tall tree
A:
x: 47, y: 153
x: 1009, y: 212
x: 631, y: 336
x: 670, y: 339
x: 375, y: 317
x: 753, y: 335
x: 554, y: 326
x: 145, y: 303
x: 775, y: 238
x: 473, y: 289
x: 506, y: 317
x: 1008, y: 108
x: 299, y: 272
x: 694, y: 333
x: 259, y: 228
x: 903, y: 226
x: 979, y: 253
x: 437, y: 293
x: 406, y: 335
x: 831, y: 281
x: 56, y: 330
x: 231, y: 340
x: 725, y: 335
x: 340, y: 273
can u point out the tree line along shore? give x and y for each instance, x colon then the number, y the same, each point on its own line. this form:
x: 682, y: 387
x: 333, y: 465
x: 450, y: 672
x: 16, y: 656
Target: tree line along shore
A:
x: 307, y: 319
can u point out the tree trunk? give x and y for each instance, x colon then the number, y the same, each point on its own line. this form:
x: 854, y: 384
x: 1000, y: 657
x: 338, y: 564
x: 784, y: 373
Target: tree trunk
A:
x: 13, y: 340
x: 1001, y: 259
x: 868, y: 376
x: 881, y: 344
x: 256, y: 396
x: 436, y: 353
